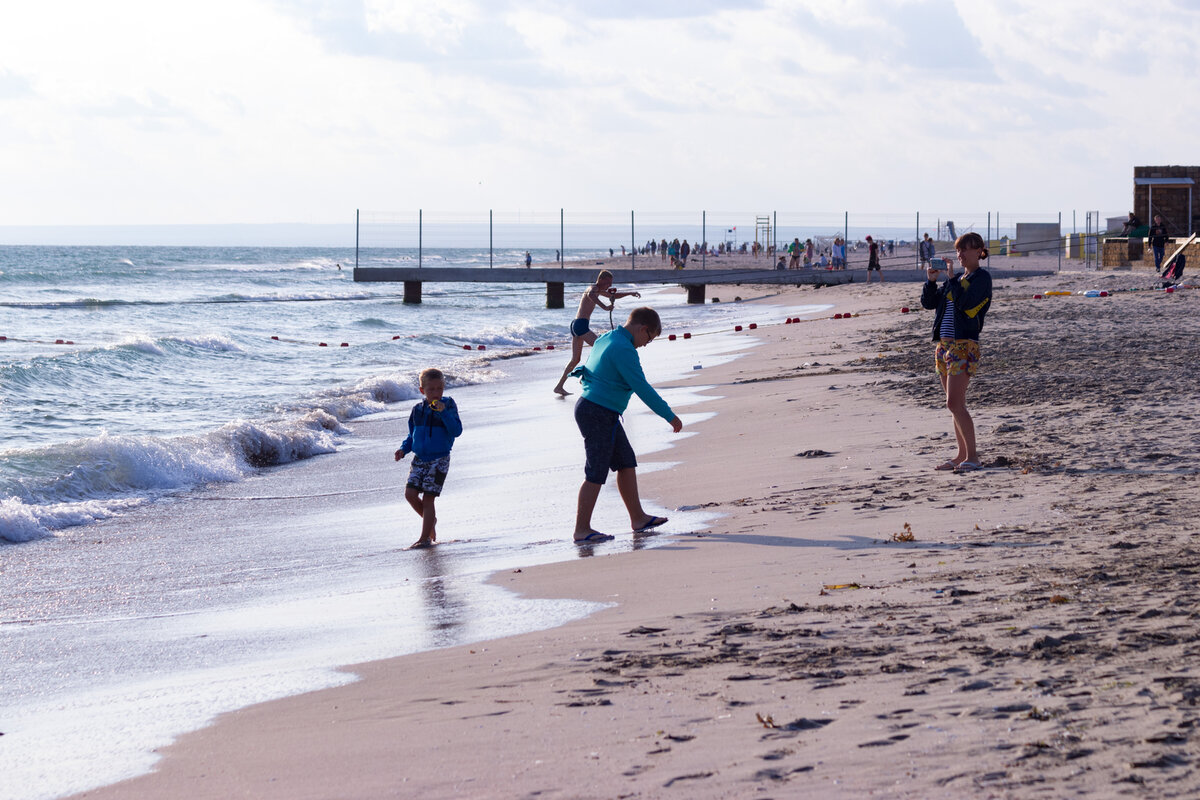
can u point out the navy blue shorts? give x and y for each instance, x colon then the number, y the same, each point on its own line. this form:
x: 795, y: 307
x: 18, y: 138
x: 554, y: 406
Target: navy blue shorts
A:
x: 604, y: 441
x: 580, y: 327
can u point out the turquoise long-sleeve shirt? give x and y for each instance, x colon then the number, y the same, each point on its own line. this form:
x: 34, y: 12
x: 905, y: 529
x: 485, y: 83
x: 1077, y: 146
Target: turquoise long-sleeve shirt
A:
x: 613, y: 373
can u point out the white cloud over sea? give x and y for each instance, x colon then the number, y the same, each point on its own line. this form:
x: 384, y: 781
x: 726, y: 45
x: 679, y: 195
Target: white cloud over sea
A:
x: 230, y: 111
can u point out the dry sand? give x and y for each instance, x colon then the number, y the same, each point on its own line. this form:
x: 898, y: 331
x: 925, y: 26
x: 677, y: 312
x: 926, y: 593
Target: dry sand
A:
x: 1035, y: 637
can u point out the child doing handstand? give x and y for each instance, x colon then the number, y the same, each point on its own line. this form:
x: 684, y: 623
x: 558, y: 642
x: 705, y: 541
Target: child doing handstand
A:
x: 580, y: 331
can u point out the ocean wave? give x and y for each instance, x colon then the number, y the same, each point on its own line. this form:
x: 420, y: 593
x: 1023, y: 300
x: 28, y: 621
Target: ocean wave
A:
x: 374, y: 394
x: 223, y: 299
x: 159, y: 346
x: 79, y: 302
x: 213, y: 342
x: 140, y: 344
x: 368, y: 396
x: 89, y: 479
x: 522, y: 334
x: 301, y: 297
x: 22, y: 522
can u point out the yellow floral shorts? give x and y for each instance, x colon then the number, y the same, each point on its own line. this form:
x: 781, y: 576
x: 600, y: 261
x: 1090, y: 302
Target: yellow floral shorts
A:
x: 956, y: 356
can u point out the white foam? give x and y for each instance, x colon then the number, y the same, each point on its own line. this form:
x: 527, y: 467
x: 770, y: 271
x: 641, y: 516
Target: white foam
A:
x: 139, y: 343
x: 21, y: 522
x: 107, y: 474
x: 213, y: 342
x: 258, y: 445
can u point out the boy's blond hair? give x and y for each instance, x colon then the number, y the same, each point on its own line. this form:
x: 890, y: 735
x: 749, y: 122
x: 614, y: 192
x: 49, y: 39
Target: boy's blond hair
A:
x: 431, y: 374
x: 604, y: 275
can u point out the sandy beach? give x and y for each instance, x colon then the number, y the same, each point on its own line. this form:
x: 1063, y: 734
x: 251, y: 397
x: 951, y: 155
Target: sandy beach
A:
x: 855, y: 624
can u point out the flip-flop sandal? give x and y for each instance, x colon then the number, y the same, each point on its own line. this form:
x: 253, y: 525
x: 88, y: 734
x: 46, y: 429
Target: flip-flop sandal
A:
x: 967, y: 466
x: 653, y: 523
x: 949, y: 466
x: 593, y: 537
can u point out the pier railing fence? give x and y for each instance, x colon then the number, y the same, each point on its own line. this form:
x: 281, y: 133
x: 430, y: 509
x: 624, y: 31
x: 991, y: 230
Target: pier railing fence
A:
x: 493, y: 238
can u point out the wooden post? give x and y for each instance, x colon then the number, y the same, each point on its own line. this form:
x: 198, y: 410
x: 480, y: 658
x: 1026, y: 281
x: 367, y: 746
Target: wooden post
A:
x: 554, y: 295
x: 412, y: 292
x: 695, y: 293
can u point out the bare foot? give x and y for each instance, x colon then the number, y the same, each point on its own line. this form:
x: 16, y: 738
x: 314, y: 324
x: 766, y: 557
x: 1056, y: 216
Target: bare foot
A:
x: 561, y: 391
x: 421, y: 544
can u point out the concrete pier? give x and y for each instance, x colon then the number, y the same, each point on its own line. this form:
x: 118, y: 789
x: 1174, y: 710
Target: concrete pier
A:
x: 694, y: 281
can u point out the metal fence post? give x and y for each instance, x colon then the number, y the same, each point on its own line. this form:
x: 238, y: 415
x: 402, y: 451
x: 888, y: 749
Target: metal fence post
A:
x: 356, y: 214
x: 632, y: 241
x: 420, y: 235
x: 703, y: 240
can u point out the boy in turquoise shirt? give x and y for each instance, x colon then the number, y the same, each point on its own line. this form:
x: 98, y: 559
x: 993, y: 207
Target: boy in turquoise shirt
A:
x: 612, y: 375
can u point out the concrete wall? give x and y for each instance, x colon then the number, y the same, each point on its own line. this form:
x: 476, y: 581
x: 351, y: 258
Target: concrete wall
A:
x: 1117, y: 254
x: 1036, y: 237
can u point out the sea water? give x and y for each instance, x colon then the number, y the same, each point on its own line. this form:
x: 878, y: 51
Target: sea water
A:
x: 196, y: 516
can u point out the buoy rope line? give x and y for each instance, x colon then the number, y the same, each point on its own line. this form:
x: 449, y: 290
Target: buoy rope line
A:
x: 1094, y: 293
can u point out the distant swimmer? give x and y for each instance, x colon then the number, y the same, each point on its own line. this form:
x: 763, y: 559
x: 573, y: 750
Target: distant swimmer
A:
x: 580, y: 326
x: 433, y: 425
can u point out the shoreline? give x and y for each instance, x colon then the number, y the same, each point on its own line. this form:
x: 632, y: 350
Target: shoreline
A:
x: 799, y: 635
x: 320, y: 539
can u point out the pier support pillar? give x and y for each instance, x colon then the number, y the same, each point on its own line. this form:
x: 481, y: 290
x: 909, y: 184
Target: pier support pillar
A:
x: 412, y: 292
x: 554, y: 295
x: 695, y: 293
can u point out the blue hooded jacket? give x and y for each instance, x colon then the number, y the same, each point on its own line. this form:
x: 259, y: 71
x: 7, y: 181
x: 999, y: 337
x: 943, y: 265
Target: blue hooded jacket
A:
x: 431, y: 433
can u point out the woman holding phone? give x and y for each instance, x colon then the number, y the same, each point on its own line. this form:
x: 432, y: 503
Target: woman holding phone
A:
x: 961, y: 304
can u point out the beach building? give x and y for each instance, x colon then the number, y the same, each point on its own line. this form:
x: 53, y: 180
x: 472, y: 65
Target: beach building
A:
x: 1166, y: 190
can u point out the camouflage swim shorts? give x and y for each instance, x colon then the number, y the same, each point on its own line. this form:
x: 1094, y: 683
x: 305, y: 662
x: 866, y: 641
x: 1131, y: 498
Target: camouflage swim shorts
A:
x: 428, y: 476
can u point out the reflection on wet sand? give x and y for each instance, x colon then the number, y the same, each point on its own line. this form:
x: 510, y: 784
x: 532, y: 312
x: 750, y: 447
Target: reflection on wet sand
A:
x: 444, y: 608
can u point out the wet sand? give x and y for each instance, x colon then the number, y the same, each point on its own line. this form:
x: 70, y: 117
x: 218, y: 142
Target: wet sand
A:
x: 857, y: 624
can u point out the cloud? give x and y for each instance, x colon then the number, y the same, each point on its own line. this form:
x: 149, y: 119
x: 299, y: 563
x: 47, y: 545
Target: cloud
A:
x: 453, y: 38
x: 154, y: 113
x: 926, y: 37
x: 307, y: 107
x: 657, y: 9
x: 13, y: 86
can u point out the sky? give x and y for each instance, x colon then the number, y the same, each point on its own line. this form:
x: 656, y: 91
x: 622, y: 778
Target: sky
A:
x: 134, y: 112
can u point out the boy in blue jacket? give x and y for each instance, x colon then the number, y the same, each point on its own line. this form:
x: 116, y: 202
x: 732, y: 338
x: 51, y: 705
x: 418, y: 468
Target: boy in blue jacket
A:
x: 433, y: 426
